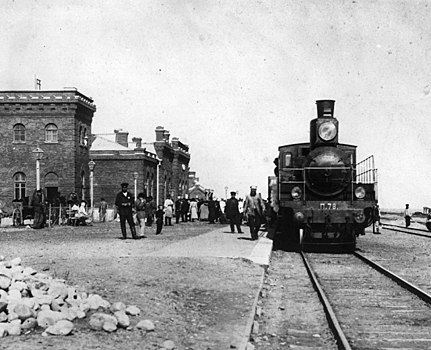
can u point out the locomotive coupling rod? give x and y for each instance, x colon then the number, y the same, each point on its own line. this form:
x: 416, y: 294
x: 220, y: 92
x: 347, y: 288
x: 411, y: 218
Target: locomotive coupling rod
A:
x: 342, y: 342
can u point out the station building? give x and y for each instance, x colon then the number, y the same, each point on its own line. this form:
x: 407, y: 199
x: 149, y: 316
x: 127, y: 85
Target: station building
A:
x: 58, y: 123
x: 158, y: 168
x: 196, y: 190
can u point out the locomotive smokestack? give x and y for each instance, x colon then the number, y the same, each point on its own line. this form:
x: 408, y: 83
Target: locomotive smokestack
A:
x: 324, y: 129
x: 325, y: 108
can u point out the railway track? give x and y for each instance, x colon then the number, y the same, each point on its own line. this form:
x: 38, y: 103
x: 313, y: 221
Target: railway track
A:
x: 365, y: 305
x: 408, y: 230
x: 370, y: 311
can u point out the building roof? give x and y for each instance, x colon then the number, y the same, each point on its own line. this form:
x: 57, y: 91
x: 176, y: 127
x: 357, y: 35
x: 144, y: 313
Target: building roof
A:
x: 103, y: 144
x: 197, y: 187
x: 68, y: 95
x: 149, y: 146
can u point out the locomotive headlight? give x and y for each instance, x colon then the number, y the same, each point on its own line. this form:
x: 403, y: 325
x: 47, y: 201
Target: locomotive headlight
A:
x: 360, y: 192
x: 296, y: 192
x: 327, y: 131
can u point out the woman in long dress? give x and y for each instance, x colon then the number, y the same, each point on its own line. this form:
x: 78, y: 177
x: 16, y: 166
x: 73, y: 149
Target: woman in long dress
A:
x: 169, y: 211
x: 141, y: 214
x: 193, y: 210
x: 204, y: 211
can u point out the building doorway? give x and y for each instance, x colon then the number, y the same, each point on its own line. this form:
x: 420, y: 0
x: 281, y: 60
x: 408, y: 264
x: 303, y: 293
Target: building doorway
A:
x: 51, y: 194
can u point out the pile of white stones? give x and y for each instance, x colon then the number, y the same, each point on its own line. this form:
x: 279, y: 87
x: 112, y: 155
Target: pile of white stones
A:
x: 29, y: 299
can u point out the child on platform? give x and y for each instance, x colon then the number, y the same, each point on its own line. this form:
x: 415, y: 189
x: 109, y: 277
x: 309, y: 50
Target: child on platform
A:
x: 159, y: 219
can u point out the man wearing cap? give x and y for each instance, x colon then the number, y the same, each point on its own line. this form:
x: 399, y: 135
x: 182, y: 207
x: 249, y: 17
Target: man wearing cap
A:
x: 253, y: 211
x: 232, y: 213
x: 124, y: 203
x: 407, y: 215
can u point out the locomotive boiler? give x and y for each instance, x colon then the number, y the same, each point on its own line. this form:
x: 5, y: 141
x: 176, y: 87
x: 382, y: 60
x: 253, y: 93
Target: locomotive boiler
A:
x: 322, y: 197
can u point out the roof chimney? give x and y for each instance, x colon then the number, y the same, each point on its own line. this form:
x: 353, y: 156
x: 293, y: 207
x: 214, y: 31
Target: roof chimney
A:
x: 121, y: 137
x: 138, y: 141
x: 160, y: 133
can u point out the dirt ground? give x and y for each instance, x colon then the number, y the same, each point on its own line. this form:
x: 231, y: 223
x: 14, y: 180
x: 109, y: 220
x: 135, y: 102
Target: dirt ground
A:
x: 198, y: 303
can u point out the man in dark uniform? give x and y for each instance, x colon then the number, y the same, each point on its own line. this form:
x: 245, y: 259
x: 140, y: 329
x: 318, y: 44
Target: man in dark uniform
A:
x: 124, y: 203
x: 178, y: 203
x: 233, y: 214
x: 185, y: 206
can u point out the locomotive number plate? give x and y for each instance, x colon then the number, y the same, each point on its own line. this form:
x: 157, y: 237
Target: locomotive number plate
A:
x: 328, y: 206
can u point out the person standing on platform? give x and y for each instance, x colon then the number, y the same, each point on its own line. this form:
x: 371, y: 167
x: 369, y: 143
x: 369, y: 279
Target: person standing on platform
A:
x: 37, y: 204
x: 141, y: 214
x: 178, y: 210
x: 103, y: 207
x: 232, y: 213
x: 124, y: 204
x: 253, y: 210
x: 169, y: 210
x: 159, y: 219
x: 212, y: 210
x: 193, y: 210
x: 185, y: 206
x: 150, y: 210
x: 407, y: 215
x: 203, y: 211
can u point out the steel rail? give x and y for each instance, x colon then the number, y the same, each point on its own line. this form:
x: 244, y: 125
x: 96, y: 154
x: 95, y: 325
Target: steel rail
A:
x: 402, y: 282
x: 403, y: 230
x: 341, y: 339
x: 406, y: 228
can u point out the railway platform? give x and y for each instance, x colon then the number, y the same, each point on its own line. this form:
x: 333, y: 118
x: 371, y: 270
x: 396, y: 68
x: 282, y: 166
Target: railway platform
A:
x: 222, y: 243
x: 199, y: 287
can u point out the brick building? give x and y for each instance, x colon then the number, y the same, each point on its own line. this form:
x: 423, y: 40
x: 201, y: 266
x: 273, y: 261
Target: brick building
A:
x: 59, y: 122
x: 161, y: 166
x: 196, y: 190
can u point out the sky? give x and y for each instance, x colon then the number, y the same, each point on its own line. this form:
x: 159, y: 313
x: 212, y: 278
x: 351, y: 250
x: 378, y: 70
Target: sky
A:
x: 235, y: 80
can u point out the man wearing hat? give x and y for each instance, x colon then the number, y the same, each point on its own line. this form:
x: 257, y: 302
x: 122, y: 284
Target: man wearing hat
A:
x: 124, y: 203
x: 407, y: 215
x: 253, y: 211
x: 232, y: 213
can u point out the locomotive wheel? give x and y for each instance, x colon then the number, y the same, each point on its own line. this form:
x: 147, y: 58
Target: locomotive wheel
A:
x: 287, y: 239
x: 294, y: 239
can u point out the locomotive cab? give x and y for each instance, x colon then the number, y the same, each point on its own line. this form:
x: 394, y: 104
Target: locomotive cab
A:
x: 324, y: 201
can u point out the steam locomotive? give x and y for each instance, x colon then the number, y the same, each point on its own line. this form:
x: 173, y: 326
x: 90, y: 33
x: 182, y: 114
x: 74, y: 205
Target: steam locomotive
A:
x: 323, y: 198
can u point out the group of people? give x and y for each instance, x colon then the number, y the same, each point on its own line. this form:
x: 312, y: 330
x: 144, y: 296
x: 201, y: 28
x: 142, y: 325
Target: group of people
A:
x: 253, y: 212
x: 191, y: 210
x: 145, y: 209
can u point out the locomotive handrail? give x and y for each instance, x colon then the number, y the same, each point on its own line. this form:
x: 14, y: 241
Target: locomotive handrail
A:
x: 329, y: 167
x: 356, y: 178
x: 366, y: 171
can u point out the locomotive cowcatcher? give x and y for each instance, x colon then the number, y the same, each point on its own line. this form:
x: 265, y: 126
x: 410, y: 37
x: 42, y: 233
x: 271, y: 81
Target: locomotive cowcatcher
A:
x: 322, y: 198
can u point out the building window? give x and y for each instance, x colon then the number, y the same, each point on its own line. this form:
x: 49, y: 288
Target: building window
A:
x: 85, y: 138
x: 51, y: 133
x: 80, y: 135
x: 19, y: 186
x: 19, y: 133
